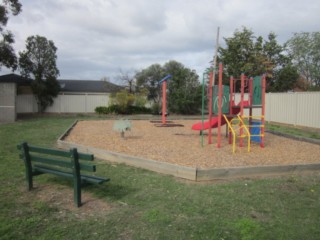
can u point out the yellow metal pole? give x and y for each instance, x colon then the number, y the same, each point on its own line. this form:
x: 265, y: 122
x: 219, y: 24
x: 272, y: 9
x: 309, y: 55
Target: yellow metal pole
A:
x: 233, y: 134
x: 243, y: 125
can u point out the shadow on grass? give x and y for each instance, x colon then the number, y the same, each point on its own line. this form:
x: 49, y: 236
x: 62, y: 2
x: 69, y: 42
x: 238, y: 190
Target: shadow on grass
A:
x: 108, y: 190
x: 112, y: 191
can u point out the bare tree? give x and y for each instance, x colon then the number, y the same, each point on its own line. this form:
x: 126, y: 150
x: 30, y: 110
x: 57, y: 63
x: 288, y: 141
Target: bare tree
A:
x: 127, y: 79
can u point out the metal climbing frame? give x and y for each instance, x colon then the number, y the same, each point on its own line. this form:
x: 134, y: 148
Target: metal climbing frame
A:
x: 256, y: 91
x: 236, y: 127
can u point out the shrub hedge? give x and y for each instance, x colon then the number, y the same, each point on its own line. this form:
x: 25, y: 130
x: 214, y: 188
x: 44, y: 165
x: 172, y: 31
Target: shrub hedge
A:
x: 116, y: 109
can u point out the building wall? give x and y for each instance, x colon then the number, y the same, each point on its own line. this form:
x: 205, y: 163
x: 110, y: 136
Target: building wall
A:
x: 7, y: 102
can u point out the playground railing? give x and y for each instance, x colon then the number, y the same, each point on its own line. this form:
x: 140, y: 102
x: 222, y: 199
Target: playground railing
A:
x: 231, y: 130
x: 258, y: 119
x: 236, y: 125
x: 247, y: 132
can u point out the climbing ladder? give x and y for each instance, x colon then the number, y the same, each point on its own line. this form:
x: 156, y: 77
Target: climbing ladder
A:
x: 243, y: 127
x: 256, y: 127
x: 238, y: 129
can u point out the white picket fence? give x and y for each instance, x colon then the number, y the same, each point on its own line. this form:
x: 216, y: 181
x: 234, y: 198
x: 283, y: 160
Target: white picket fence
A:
x: 299, y: 109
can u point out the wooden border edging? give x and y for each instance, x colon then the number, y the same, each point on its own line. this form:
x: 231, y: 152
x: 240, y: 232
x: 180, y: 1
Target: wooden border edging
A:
x: 66, y: 133
x: 240, y: 172
x: 189, y: 173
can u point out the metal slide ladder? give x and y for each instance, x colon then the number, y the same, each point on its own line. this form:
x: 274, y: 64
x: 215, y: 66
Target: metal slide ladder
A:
x: 237, y: 125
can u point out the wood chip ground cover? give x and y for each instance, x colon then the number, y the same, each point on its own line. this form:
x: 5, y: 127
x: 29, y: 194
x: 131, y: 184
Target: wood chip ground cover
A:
x: 182, y: 146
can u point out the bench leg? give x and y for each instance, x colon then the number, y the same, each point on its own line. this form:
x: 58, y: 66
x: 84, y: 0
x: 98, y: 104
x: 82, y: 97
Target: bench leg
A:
x: 27, y: 163
x: 77, y: 192
x: 29, y: 181
x: 76, y: 177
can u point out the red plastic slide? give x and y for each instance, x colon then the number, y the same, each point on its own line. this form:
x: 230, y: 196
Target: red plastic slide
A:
x: 214, y: 121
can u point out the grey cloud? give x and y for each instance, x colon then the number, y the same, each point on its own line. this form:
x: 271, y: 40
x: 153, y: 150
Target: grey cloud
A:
x: 97, y: 38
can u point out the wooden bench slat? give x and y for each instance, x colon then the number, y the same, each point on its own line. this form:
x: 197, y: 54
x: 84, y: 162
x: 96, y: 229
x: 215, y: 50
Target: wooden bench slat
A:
x: 45, y: 169
x: 86, y: 156
x: 87, y: 178
x: 87, y: 167
x: 50, y: 151
x: 57, y: 162
x: 62, y: 163
x: 61, y: 153
x: 94, y: 179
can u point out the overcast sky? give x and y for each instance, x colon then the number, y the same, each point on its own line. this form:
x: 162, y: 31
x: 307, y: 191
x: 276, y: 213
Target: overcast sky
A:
x: 97, y: 38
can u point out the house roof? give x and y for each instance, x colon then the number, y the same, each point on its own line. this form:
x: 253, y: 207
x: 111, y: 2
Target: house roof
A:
x: 88, y: 86
x: 15, y: 78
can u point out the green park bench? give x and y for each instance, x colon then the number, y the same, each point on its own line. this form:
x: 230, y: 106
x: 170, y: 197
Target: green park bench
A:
x: 39, y: 160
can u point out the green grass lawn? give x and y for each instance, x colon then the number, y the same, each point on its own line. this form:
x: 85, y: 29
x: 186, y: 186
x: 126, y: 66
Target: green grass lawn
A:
x: 300, y: 132
x: 146, y: 205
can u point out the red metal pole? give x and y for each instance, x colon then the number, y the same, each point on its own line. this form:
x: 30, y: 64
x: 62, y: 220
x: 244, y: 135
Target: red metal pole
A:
x: 164, y: 101
x: 231, y: 104
x: 250, y: 91
x: 250, y: 99
x: 210, y: 105
x: 263, y: 109
x: 219, y: 106
x: 231, y: 95
x: 241, y: 106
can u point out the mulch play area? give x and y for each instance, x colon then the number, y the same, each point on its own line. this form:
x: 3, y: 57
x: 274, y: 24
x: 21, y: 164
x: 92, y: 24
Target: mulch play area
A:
x: 182, y: 146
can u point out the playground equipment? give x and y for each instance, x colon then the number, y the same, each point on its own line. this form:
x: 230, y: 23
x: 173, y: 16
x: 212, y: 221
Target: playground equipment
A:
x: 256, y: 99
x: 164, y: 97
x: 164, y: 122
x: 223, y: 110
x: 122, y: 126
x: 233, y: 126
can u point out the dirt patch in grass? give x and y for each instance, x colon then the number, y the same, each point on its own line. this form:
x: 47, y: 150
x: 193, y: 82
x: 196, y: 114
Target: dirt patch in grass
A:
x: 182, y: 146
x: 61, y: 197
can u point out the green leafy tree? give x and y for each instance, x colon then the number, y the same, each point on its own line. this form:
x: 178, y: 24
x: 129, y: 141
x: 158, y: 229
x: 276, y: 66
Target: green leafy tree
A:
x: 148, y: 79
x: 7, y: 55
x: 184, y: 89
x: 287, y: 78
x: 253, y: 56
x: 122, y: 98
x: 141, y: 97
x: 303, y: 84
x: 38, y: 62
x: 305, y: 50
x: 239, y: 54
